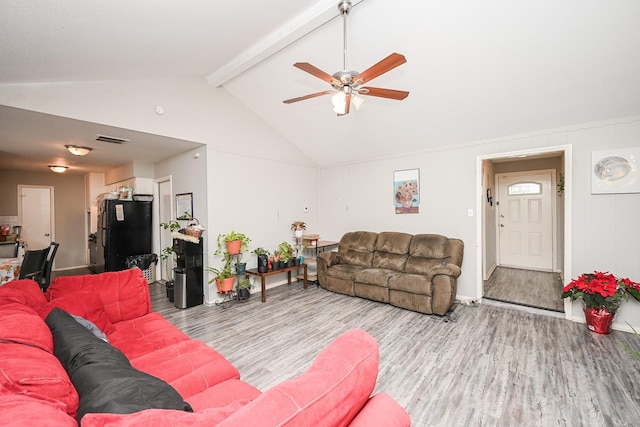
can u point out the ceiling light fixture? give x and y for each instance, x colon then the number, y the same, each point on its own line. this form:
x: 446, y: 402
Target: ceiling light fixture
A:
x: 77, y: 150
x: 58, y: 168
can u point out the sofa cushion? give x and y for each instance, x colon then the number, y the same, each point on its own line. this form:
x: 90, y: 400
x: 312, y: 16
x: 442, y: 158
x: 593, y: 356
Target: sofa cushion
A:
x: 357, y: 248
x: 330, y: 392
x: 381, y: 409
x: 137, y: 337
x: 22, y: 325
x: 124, y: 294
x: 412, y: 283
x: 102, y: 375
x: 25, y: 292
x: 85, y: 303
x: 32, y: 370
x: 375, y: 276
x: 190, y: 366
x: 344, y: 271
x: 391, y: 250
x: 24, y: 409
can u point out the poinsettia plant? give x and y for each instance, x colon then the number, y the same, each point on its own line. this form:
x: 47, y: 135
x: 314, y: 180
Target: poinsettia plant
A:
x: 602, y: 290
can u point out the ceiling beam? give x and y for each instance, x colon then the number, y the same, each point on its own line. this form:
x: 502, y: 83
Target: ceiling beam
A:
x: 314, y: 17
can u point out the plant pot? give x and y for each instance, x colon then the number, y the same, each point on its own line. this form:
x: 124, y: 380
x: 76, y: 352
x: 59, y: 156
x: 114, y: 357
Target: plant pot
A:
x: 296, y: 261
x: 599, y: 320
x: 241, y: 267
x: 263, y: 263
x: 298, y: 233
x: 289, y: 263
x: 301, y: 260
x: 233, y: 247
x: 243, y: 294
x: 275, y: 265
x: 225, y: 285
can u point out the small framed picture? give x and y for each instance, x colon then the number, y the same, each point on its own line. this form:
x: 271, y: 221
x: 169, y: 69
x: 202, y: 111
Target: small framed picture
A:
x: 184, y: 206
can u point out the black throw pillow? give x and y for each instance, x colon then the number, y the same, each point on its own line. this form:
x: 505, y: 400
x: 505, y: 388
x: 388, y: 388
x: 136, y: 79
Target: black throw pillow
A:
x: 105, y: 380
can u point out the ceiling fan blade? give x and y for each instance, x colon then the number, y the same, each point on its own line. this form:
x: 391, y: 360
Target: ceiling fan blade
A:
x: 311, y: 69
x: 389, y: 63
x: 312, y: 95
x: 383, y: 93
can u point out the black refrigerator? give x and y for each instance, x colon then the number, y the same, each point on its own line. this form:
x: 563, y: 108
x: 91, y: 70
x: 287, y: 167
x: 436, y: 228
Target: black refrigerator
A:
x: 124, y: 229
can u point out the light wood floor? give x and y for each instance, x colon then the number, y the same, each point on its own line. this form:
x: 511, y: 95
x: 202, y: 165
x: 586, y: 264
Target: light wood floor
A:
x: 482, y: 366
x: 530, y: 288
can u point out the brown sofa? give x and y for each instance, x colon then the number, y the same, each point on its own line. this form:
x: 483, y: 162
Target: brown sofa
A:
x: 416, y: 272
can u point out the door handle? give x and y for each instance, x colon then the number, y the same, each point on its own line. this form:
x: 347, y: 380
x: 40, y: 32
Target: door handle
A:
x: 47, y: 234
x: 501, y: 225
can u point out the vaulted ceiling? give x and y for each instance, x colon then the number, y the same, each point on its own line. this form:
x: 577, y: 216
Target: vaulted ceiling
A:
x: 475, y: 70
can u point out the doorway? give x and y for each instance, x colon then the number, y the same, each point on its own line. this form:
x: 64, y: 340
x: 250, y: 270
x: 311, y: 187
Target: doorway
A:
x: 36, y: 215
x: 524, y: 241
x: 165, y: 209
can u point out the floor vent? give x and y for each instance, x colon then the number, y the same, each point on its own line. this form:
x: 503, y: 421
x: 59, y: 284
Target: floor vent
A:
x: 110, y: 139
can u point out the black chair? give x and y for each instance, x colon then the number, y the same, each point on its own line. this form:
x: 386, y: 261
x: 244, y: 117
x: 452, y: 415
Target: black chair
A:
x: 46, y: 267
x: 9, y: 250
x: 32, y: 264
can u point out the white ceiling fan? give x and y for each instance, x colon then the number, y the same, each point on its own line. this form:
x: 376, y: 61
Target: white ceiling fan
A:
x: 347, y: 84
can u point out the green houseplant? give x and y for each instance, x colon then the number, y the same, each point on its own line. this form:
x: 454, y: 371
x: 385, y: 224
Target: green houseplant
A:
x: 243, y: 288
x: 167, y: 255
x: 232, y: 242
x: 286, y: 253
x: 263, y: 259
x: 224, y: 277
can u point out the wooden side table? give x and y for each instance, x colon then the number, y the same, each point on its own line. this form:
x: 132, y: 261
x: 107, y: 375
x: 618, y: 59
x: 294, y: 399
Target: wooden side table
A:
x: 288, y: 270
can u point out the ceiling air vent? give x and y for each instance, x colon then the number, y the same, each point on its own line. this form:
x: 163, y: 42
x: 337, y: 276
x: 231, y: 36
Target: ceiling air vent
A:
x: 110, y: 139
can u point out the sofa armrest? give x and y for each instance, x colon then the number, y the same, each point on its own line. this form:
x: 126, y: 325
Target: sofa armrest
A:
x: 328, y: 258
x: 446, y: 269
x: 381, y: 410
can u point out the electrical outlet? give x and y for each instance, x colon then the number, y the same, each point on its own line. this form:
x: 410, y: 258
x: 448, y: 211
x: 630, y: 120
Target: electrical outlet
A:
x: 470, y: 212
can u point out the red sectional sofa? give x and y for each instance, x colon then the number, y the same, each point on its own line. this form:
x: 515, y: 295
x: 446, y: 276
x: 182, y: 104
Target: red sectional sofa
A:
x: 35, y: 388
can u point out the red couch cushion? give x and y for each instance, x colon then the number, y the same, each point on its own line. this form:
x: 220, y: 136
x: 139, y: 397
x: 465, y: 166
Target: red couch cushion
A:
x: 25, y: 292
x: 137, y: 337
x: 381, y: 410
x: 190, y: 366
x: 125, y: 294
x: 22, y: 325
x: 19, y: 410
x: 85, y: 303
x: 34, y: 371
x: 330, y: 392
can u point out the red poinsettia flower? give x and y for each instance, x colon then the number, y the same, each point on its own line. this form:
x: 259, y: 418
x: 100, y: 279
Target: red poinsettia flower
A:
x: 601, y: 290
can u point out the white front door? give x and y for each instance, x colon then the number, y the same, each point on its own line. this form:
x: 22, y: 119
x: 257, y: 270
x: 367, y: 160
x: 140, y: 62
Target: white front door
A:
x: 525, y: 219
x: 35, y: 213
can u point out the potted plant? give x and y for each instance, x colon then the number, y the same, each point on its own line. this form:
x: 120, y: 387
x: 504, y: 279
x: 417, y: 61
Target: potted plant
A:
x: 275, y: 260
x: 299, y: 254
x: 263, y: 259
x: 232, y: 242
x: 286, y: 253
x: 602, y: 295
x: 298, y: 228
x: 169, y: 257
x: 243, y: 289
x: 224, y: 277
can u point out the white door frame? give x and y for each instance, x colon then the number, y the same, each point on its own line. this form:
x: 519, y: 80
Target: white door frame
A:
x: 156, y: 219
x: 567, y: 196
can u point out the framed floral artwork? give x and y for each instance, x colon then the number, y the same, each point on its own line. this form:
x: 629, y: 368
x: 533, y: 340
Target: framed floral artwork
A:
x: 615, y: 171
x: 406, y: 191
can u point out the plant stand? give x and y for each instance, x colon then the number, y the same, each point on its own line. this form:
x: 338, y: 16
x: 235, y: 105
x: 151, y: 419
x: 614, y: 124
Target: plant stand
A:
x: 228, y: 299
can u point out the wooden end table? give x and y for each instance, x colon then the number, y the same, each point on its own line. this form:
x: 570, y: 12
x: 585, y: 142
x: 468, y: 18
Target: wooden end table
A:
x: 288, y: 270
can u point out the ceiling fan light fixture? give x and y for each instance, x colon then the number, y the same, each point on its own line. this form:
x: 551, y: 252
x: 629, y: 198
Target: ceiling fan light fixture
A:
x: 357, y: 101
x: 339, y: 100
x: 77, y: 150
x: 58, y: 168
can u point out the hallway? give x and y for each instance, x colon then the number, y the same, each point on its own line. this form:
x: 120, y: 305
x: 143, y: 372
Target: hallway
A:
x: 537, y: 289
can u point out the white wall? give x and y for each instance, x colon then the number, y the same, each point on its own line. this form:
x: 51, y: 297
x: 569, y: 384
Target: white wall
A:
x: 605, y: 228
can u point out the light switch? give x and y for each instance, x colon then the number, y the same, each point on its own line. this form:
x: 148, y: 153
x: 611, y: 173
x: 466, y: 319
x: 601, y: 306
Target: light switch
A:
x: 470, y: 212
